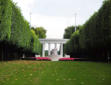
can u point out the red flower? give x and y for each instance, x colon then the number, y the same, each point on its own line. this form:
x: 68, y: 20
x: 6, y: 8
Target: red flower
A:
x: 43, y: 58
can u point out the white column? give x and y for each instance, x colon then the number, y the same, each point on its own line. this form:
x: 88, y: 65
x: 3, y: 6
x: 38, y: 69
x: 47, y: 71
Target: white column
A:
x: 61, y: 50
x: 43, y: 50
x: 56, y: 45
x: 48, y: 48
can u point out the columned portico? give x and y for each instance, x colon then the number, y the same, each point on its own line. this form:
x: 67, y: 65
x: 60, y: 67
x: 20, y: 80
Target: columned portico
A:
x: 52, y: 41
x: 55, y: 45
x: 48, y: 48
x: 61, y: 49
x: 43, y: 50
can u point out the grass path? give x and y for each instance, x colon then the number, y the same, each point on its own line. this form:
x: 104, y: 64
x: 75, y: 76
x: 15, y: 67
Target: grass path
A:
x: 54, y: 73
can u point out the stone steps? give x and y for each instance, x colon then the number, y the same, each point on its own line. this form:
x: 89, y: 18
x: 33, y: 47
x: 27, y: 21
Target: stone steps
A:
x: 55, y: 58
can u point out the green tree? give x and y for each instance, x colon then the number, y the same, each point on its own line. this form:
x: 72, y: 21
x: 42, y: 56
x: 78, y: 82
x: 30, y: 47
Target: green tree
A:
x: 94, y: 37
x: 40, y: 32
x: 69, y: 31
x: 16, y: 38
x: 5, y: 19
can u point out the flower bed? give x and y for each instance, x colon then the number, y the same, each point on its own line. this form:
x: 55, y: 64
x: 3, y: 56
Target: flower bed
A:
x: 66, y: 59
x: 43, y: 59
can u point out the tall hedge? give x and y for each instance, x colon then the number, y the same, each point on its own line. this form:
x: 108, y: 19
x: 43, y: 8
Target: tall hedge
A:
x: 20, y: 31
x: 5, y: 19
x: 16, y: 37
x: 72, y: 46
x: 94, y: 37
x: 35, y: 43
x: 21, y: 34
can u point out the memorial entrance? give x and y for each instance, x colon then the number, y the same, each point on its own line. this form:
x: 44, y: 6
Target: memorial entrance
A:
x: 54, y: 51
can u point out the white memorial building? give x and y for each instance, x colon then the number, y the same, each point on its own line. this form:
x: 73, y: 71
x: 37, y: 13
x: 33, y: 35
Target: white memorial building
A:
x: 52, y: 41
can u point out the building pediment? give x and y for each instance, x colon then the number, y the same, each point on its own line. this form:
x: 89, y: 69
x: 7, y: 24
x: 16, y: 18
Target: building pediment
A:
x: 58, y: 41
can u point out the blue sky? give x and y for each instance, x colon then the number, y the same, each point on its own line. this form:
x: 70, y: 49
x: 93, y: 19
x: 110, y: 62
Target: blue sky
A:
x: 56, y: 15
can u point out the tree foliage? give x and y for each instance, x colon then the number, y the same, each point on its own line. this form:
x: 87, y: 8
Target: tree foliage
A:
x: 5, y: 19
x: 16, y: 37
x: 40, y: 32
x: 94, y: 37
x: 69, y: 31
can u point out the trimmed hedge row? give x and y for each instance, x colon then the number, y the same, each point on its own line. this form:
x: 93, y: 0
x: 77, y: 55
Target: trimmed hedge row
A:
x: 94, y: 37
x: 5, y: 19
x: 15, y: 32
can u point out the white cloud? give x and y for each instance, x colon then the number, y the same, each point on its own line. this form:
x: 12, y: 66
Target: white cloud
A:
x: 54, y: 25
x: 56, y: 15
x: 25, y: 6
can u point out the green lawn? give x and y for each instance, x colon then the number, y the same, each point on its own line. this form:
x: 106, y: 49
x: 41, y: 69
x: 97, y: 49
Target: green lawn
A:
x: 54, y: 73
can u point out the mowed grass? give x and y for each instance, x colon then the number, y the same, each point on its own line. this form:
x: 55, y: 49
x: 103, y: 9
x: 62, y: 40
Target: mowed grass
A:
x: 54, y: 73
